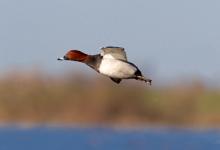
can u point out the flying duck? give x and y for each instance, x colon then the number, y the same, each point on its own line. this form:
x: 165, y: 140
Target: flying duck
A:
x: 111, y: 62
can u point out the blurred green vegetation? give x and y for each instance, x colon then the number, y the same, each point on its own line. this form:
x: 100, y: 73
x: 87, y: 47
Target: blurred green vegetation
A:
x: 71, y: 98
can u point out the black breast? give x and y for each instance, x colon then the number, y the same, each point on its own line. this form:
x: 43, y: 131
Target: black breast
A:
x: 94, y: 61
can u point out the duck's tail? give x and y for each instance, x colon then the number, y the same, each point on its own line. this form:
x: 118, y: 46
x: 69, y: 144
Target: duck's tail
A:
x: 142, y: 78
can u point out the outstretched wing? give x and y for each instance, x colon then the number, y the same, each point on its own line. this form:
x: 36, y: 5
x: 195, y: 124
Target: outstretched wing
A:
x: 114, y: 52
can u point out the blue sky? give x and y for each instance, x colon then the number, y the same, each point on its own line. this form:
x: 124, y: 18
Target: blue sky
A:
x: 171, y: 38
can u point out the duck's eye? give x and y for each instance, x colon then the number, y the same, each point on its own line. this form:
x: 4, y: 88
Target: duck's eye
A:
x: 65, y: 58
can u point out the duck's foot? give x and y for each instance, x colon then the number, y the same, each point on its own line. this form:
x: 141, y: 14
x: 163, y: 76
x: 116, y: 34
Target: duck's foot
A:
x: 148, y: 81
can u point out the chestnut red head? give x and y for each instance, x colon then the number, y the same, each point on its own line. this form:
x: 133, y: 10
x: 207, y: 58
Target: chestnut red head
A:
x: 74, y: 55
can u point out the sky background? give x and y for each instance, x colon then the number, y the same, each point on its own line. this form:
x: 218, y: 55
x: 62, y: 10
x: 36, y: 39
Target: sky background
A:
x: 166, y: 39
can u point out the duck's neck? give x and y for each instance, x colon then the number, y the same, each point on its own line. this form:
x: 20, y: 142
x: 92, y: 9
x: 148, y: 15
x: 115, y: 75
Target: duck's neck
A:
x: 93, y: 61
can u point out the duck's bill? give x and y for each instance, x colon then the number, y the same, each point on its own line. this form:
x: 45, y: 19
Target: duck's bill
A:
x: 60, y: 58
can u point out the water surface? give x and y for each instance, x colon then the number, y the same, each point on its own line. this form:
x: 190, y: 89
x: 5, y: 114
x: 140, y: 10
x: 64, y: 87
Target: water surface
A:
x: 57, y: 138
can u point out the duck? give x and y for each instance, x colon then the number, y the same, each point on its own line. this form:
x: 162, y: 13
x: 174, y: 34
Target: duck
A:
x: 111, y: 62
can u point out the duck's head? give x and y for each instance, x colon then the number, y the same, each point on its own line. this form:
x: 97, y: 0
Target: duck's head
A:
x: 74, y: 55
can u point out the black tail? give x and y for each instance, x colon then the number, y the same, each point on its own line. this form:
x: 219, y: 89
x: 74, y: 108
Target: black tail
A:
x: 138, y: 73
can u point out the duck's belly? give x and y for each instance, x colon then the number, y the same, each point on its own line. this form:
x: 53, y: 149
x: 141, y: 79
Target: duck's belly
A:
x: 117, y: 68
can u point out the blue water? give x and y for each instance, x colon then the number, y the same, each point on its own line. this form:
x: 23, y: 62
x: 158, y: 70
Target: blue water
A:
x: 56, y: 138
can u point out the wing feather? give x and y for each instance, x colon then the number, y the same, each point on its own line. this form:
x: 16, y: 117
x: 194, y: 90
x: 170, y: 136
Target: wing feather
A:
x: 114, y: 52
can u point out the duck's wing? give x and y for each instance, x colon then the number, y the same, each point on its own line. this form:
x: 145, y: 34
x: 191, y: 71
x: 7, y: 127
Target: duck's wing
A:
x: 116, y: 80
x: 114, y: 52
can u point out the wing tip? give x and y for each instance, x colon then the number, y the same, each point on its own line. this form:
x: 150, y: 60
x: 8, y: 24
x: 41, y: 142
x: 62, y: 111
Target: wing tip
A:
x: 112, y: 47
